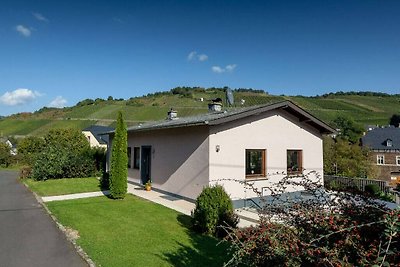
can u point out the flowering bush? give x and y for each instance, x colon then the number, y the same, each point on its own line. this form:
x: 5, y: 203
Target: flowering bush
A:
x: 324, y: 229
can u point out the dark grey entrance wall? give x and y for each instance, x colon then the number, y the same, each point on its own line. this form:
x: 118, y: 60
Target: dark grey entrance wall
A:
x: 28, y: 236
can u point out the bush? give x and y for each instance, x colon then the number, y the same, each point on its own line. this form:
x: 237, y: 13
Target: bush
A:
x: 335, y: 229
x: 213, y: 208
x: 25, y: 172
x: 373, y: 190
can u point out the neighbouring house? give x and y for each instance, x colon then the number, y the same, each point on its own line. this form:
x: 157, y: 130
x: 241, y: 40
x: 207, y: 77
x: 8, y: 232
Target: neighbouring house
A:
x: 258, y: 144
x: 95, y: 136
x: 12, y: 146
x: 384, y: 144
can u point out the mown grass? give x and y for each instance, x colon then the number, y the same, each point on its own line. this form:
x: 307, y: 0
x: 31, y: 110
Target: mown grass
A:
x: 63, y: 186
x: 136, y: 232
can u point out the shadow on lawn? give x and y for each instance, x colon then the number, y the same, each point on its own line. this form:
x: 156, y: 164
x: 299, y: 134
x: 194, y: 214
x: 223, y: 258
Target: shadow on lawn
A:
x: 203, y: 251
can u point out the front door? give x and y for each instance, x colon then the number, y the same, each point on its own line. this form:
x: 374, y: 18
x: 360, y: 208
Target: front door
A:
x: 145, y: 164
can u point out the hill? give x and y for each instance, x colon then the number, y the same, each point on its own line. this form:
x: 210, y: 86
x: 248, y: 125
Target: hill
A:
x: 364, y: 107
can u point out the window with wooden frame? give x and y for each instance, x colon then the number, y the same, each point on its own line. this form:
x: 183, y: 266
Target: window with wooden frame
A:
x: 294, y: 162
x: 255, y: 163
x: 136, y: 157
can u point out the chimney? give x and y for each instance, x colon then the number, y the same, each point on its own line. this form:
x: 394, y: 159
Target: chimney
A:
x: 215, y: 106
x: 172, y: 115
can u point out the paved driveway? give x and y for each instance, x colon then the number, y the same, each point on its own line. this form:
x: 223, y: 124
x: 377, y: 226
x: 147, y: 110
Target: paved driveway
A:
x: 28, y: 236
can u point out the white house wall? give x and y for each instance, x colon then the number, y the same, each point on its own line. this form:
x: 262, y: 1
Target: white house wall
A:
x: 179, y: 159
x: 92, y: 140
x: 276, y: 132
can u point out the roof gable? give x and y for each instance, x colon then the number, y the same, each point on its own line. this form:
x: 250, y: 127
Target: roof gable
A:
x: 98, y: 133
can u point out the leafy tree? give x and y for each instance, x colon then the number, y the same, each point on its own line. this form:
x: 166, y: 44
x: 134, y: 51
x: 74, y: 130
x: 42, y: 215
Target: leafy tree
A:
x: 395, y: 120
x: 5, y: 154
x: 348, y: 129
x: 70, y: 139
x: 343, y: 158
x: 29, y: 148
x: 119, y: 161
x: 110, y: 98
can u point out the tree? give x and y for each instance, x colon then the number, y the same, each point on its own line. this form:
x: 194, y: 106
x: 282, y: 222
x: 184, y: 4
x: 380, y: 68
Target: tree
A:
x: 5, y: 154
x: 343, y: 158
x: 119, y: 161
x: 395, y: 120
x: 70, y: 139
x: 29, y: 148
x: 349, y: 129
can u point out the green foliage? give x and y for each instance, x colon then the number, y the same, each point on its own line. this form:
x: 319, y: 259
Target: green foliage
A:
x: 59, y: 162
x: 373, y: 189
x: 338, y: 229
x: 5, y: 155
x: 29, y: 148
x: 85, y: 102
x: 349, y: 130
x: 213, y: 209
x: 395, y: 120
x: 63, y: 186
x: 25, y: 172
x: 119, y: 161
x: 71, y: 139
x: 344, y: 158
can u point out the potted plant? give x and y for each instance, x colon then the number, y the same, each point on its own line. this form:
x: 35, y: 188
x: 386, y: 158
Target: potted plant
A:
x: 147, y: 185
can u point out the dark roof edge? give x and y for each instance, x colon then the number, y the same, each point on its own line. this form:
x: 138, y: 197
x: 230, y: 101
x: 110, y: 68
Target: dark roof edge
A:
x: 307, y: 117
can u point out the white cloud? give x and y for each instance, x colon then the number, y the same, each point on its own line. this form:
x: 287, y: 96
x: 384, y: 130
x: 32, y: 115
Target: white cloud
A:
x: 19, y: 96
x: 40, y: 17
x: 23, y: 30
x: 228, y: 68
x: 217, y: 69
x: 202, y: 57
x: 194, y: 56
x: 58, y: 102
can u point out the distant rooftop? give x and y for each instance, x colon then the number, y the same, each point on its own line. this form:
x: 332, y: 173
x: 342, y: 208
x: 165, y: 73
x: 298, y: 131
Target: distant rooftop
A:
x: 382, y: 138
x: 216, y: 118
x: 98, y: 132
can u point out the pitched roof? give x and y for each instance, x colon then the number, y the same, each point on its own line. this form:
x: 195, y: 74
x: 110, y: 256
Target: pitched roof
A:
x: 377, y: 138
x: 98, y: 132
x: 216, y: 118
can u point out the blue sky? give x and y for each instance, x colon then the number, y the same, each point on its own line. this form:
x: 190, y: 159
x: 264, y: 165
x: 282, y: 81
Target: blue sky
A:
x: 59, y: 52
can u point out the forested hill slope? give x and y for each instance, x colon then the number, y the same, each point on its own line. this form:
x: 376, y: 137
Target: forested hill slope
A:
x: 364, y: 107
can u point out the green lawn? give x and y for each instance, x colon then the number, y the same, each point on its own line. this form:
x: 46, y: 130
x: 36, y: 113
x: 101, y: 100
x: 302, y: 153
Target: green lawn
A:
x: 63, y: 186
x: 136, y: 232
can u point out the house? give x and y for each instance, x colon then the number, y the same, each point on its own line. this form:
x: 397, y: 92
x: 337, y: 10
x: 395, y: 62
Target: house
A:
x: 12, y: 146
x: 384, y: 144
x: 257, y: 144
x: 95, y: 137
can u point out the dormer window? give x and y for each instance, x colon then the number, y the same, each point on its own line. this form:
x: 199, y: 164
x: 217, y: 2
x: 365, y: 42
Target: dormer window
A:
x: 389, y: 142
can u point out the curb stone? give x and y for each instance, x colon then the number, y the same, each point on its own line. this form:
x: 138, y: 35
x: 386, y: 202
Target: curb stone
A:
x: 64, y: 230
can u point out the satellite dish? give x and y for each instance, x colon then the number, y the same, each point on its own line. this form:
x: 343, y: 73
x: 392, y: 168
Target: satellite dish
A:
x: 229, y: 97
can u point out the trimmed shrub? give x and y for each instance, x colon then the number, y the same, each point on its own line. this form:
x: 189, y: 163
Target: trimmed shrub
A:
x: 119, y: 161
x: 213, y: 208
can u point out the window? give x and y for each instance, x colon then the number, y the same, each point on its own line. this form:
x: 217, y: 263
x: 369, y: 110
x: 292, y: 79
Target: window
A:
x: 136, y: 157
x: 380, y: 159
x: 294, y: 161
x: 129, y: 157
x: 255, y: 163
x: 397, y: 160
x: 389, y: 142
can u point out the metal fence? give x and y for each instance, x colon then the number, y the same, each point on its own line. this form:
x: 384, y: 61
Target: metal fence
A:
x: 359, y: 183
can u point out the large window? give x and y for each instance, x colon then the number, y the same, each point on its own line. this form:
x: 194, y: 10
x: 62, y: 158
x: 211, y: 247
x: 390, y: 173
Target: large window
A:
x: 255, y: 163
x: 397, y: 160
x: 294, y: 161
x: 136, y: 157
x: 380, y: 159
x: 129, y: 157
